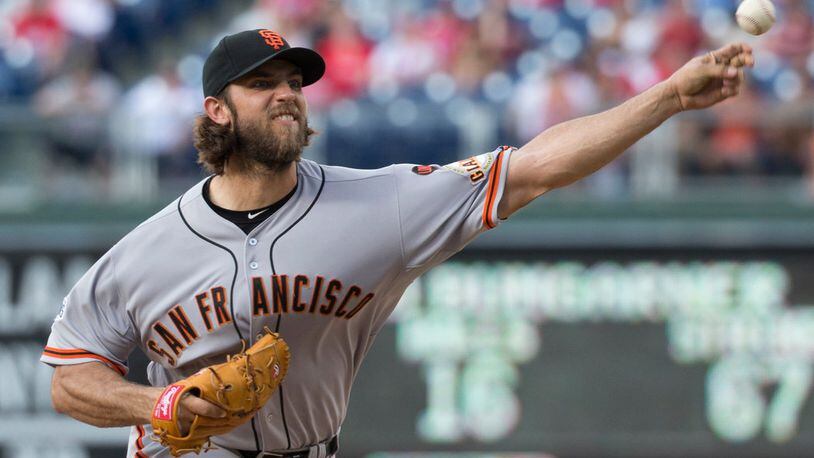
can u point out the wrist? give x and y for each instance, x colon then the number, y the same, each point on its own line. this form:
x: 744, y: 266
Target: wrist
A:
x: 149, y: 400
x: 669, y: 98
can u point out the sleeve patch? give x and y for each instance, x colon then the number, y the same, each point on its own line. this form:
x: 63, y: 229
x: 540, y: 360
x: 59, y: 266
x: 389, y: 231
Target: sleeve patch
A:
x: 61, y: 313
x: 424, y: 169
x: 475, y: 167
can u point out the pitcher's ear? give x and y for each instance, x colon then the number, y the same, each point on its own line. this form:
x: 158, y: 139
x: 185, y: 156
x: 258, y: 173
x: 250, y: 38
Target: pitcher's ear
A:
x: 218, y: 110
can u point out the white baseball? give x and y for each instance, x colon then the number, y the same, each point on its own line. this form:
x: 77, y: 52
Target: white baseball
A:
x: 755, y: 17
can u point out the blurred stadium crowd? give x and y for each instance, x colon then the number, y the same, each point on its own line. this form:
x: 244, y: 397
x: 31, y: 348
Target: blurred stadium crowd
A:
x: 407, y: 80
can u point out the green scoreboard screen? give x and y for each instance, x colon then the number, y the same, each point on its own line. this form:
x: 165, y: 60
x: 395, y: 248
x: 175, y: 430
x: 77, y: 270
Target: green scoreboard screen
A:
x: 588, y: 352
x: 597, y: 353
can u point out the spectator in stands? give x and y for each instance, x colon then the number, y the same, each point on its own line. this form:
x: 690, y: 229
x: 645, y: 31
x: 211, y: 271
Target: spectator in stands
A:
x: 680, y: 37
x: 77, y: 104
x: 38, y: 26
x: 783, y: 146
x: 155, y: 118
x: 405, y: 57
x: 641, y: 42
x: 545, y: 99
x: 89, y: 19
x: 793, y: 37
x: 346, y: 54
x: 497, y: 38
x: 447, y: 33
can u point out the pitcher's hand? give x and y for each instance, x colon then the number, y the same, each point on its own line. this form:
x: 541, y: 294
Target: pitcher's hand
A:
x: 711, y: 78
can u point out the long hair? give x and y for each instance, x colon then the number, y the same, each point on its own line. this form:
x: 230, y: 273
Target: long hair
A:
x: 216, y: 143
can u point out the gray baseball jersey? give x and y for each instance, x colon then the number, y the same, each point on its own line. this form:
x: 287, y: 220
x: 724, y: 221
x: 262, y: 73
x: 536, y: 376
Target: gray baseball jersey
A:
x: 325, y: 271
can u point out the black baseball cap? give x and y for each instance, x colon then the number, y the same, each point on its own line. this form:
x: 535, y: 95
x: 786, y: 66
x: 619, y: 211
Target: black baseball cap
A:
x: 238, y: 54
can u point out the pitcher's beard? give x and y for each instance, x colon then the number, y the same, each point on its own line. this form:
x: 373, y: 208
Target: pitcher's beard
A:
x: 269, y: 147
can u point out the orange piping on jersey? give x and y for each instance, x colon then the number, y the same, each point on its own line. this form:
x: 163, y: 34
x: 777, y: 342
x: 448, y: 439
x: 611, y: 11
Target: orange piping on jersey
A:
x: 79, y: 353
x: 490, y: 195
x: 140, y: 442
x: 494, y: 181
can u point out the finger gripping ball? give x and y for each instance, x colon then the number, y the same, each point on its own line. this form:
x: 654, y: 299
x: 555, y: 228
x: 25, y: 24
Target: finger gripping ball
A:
x: 756, y: 17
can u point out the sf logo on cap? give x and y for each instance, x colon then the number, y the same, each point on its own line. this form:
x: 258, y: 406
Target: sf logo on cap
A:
x: 273, y: 39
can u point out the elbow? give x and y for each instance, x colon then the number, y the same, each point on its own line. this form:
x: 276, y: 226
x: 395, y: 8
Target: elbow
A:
x: 61, y: 399
x: 58, y: 395
x: 70, y: 389
x: 559, y: 179
x: 547, y: 185
x: 544, y: 176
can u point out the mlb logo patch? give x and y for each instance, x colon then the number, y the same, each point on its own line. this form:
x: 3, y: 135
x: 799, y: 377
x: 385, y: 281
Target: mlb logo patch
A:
x: 424, y: 169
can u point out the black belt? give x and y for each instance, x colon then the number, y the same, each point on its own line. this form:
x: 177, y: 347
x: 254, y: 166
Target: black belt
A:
x: 332, y: 446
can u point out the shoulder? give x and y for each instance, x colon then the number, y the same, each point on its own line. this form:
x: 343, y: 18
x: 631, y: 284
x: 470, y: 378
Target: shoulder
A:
x: 338, y: 174
x: 333, y: 173
x: 159, y: 217
x: 165, y: 220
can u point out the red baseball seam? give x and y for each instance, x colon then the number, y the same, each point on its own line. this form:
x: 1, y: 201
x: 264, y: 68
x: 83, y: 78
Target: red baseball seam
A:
x: 754, y: 22
x: 766, y: 9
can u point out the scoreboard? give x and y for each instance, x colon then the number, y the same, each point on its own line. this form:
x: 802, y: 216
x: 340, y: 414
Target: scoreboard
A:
x: 600, y: 353
x: 585, y: 352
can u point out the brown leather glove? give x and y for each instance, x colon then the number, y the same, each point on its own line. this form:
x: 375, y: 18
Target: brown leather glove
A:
x: 240, y: 386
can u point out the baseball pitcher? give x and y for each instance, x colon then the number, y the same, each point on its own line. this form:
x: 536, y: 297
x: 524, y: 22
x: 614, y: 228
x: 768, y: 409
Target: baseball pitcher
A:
x: 258, y: 292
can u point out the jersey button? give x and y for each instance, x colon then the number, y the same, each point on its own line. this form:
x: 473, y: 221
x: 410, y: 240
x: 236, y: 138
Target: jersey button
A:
x: 253, y: 265
x: 252, y: 242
